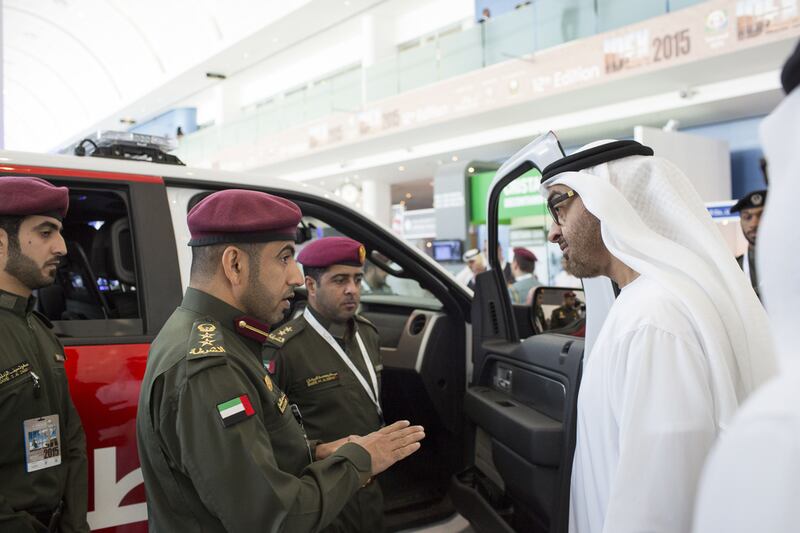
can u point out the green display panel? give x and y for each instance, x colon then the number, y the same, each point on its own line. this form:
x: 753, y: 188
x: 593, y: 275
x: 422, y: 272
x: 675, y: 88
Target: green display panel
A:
x: 521, y: 198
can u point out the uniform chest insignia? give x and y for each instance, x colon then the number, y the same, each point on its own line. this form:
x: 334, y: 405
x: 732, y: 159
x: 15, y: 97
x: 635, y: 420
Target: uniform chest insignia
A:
x: 268, y: 383
x: 282, y: 402
x: 14, y: 372
x: 322, y: 378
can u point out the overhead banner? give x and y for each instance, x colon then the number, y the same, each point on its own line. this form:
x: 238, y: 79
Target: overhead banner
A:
x: 703, y: 31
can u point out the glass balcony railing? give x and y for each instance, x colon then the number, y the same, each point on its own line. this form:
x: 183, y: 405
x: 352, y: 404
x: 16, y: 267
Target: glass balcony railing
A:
x: 540, y: 25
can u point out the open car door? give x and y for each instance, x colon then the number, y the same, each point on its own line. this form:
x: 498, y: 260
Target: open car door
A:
x: 520, y: 405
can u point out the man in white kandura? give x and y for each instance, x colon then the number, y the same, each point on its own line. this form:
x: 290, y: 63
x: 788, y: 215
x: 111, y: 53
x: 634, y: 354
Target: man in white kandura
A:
x: 682, y: 346
x: 752, y: 478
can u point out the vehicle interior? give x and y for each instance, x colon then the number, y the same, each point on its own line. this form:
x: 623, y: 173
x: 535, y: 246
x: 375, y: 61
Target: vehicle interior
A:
x: 520, y: 408
x: 96, y: 280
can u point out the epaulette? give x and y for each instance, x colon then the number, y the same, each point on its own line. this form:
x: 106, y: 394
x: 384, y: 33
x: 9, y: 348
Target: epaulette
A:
x: 280, y: 336
x: 44, y: 319
x: 206, y: 339
x: 363, y: 320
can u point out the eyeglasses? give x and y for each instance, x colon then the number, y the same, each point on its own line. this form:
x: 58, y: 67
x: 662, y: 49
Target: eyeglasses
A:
x: 554, y: 201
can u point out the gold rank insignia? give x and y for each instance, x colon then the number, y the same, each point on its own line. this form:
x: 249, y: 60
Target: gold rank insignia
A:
x: 282, y: 402
x: 206, y: 341
x: 268, y: 383
x: 284, y: 331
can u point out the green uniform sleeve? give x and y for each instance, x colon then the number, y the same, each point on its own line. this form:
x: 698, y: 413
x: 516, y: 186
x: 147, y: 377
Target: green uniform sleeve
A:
x: 235, y: 469
x: 17, y: 521
x: 76, y: 495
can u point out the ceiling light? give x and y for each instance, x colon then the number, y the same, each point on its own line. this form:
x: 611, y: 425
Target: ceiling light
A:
x: 471, y: 170
x: 401, y: 168
x: 429, y: 244
x: 454, y: 158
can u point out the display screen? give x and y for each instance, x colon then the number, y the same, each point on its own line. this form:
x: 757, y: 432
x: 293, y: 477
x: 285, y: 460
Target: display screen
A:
x: 447, y: 251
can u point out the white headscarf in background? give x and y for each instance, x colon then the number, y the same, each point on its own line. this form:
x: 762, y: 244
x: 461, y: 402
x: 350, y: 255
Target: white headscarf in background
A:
x: 654, y: 221
x: 750, y: 481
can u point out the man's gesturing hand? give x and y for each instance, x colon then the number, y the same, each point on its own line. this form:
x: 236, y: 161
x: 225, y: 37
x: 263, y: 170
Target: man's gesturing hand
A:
x: 391, y: 444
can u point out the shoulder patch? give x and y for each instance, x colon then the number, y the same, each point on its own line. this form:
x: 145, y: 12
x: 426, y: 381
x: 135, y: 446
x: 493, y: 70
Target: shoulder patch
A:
x: 206, y: 339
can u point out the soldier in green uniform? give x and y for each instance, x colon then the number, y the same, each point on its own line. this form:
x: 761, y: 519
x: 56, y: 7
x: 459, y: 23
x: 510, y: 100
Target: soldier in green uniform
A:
x: 219, y: 446
x: 566, y: 314
x: 750, y: 208
x: 43, y: 468
x: 329, y: 364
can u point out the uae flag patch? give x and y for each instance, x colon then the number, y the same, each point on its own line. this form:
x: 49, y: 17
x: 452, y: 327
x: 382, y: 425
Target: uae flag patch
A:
x: 236, y: 410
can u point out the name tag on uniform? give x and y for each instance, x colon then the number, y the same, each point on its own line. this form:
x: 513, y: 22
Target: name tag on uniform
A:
x: 42, y: 443
x: 14, y: 372
x: 322, y: 378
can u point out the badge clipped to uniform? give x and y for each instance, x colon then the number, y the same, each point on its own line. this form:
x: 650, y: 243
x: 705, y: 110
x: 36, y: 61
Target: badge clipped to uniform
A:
x: 42, y: 443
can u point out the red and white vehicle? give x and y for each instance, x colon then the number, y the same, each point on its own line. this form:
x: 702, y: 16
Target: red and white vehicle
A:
x: 497, y: 410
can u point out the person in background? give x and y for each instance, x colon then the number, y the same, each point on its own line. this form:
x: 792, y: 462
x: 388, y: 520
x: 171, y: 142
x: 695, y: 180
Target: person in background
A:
x: 750, y: 481
x: 565, y: 314
x: 522, y: 266
x: 39, y: 490
x: 485, y: 15
x: 329, y: 363
x: 475, y: 264
x: 750, y: 208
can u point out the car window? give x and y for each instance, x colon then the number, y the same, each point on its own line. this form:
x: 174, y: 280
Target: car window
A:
x: 379, y: 281
x: 96, y: 282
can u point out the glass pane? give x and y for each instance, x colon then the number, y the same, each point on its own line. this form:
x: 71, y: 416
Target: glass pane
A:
x: 460, y: 52
x: 612, y: 14
x: 510, y: 36
x: 417, y: 67
x: 559, y: 21
x: 382, y: 79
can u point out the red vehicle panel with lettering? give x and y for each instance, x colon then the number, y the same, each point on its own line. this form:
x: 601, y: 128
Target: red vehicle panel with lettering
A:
x: 105, y: 382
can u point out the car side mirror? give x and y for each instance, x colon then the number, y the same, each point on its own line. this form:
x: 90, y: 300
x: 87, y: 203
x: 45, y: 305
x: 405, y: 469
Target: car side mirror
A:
x: 559, y: 310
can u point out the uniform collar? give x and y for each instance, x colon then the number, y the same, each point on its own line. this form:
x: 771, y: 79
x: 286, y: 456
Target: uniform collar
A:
x: 228, y: 316
x: 523, y: 277
x: 338, y: 330
x: 19, y: 305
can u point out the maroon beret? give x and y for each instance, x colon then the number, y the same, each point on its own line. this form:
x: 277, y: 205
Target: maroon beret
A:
x: 567, y: 294
x: 240, y: 216
x: 26, y: 195
x: 328, y: 251
x: 524, y: 253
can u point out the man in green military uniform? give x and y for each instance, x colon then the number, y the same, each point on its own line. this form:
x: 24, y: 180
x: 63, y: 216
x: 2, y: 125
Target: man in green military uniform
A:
x: 566, y: 314
x: 329, y: 363
x: 43, y: 468
x: 219, y: 447
x: 750, y: 208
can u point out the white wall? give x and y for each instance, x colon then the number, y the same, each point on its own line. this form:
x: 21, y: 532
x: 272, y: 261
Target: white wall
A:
x: 363, y: 39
